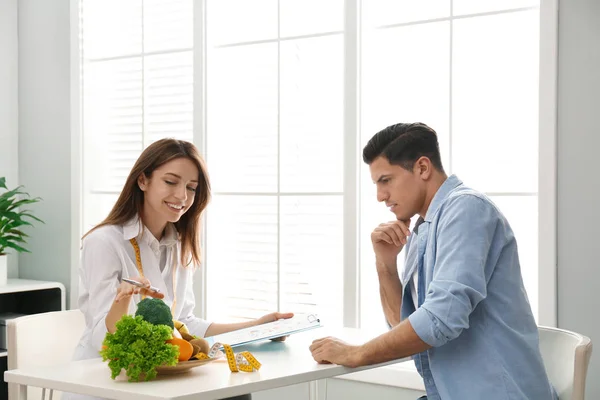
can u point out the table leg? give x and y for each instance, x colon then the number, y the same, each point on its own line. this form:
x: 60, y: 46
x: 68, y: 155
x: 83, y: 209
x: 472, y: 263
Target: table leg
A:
x: 22, y: 391
x: 317, y: 390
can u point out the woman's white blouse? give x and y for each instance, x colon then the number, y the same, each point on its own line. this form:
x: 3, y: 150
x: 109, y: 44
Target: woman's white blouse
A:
x: 108, y: 256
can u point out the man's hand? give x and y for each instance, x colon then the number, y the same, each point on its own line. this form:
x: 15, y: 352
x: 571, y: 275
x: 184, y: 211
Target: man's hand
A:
x: 388, y: 240
x: 272, y: 318
x: 331, y: 350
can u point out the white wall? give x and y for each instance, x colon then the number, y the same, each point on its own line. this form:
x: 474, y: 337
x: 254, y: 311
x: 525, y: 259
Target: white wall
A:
x: 45, y: 135
x: 579, y: 175
x: 8, y: 103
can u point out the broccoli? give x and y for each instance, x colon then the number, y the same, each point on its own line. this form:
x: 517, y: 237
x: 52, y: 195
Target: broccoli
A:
x: 155, y: 311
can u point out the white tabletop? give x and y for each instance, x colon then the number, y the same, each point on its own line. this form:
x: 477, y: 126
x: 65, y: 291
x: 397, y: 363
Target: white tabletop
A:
x: 283, y: 364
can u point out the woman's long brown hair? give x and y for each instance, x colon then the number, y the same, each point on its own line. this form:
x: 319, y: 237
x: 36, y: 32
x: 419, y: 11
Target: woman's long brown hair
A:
x: 131, y: 200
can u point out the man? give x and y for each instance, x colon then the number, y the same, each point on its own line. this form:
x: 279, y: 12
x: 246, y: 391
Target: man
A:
x: 459, y: 306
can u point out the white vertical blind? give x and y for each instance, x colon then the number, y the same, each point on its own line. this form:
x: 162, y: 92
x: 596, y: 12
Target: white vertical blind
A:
x: 137, y: 88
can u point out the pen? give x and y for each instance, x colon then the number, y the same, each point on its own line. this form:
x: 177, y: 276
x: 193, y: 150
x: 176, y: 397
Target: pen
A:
x: 138, y: 284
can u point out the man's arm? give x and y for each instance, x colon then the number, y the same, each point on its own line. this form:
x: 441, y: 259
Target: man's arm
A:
x: 390, y: 292
x: 400, y: 342
x: 388, y: 240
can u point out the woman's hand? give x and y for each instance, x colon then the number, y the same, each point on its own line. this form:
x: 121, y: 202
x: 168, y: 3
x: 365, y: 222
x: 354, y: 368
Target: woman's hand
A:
x: 272, y: 318
x: 126, y: 290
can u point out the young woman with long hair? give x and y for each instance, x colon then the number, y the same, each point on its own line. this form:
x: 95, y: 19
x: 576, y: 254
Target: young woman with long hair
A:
x: 152, y: 235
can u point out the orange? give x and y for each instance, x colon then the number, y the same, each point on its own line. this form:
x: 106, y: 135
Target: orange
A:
x: 185, y: 348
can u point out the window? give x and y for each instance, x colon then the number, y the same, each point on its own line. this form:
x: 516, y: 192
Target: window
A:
x: 290, y: 92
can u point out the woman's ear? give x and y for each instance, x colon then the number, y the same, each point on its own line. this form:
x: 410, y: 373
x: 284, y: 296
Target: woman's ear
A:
x: 142, y: 182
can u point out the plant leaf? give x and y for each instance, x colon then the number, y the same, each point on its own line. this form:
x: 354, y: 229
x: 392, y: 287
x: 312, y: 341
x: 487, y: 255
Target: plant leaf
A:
x: 5, y: 243
x: 12, y: 193
x: 27, y: 214
x: 22, y: 202
x: 17, y: 232
x: 14, y: 238
x: 10, y: 215
x: 3, y: 182
x: 16, y: 223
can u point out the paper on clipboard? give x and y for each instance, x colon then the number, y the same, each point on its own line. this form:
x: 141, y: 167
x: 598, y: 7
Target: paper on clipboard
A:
x: 270, y: 330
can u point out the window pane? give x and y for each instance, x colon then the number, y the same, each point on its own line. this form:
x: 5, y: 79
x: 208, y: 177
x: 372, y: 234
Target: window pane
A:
x: 168, y: 24
x: 233, y: 21
x: 242, y: 118
x: 168, y: 96
x: 388, y: 12
x: 241, y: 257
x: 495, y: 102
x: 312, y: 126
x: 461, y: 7
x: 406, y: 79
x: 112, y: 28
x: 312, y: 256
x: 522, y: 215
x: 307, y: 17
x: 112, y: 122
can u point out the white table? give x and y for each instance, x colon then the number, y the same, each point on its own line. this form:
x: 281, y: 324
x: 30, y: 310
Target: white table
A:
x: 283, y: 364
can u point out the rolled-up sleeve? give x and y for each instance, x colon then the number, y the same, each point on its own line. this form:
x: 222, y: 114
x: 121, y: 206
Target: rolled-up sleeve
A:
x: 196, y: 326
x: 465, y: 233
x: 101, y: 271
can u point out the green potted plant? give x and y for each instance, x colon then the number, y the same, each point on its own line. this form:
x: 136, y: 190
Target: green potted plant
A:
x: 12, y: 220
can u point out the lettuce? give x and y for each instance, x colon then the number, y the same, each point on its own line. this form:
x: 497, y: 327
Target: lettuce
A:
x: 138, y: 347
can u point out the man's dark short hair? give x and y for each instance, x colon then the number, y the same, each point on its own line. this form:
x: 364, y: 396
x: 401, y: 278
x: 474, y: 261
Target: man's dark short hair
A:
x: 403, y: 144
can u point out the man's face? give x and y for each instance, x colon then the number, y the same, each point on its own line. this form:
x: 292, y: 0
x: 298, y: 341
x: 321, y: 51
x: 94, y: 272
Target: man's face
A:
x: 402, y: 191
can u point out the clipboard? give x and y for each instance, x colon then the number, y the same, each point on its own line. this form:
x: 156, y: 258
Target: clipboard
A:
x: 270, y: 330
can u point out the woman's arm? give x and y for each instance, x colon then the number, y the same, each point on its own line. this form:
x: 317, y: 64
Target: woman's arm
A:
x: 199, y: 327
x: 120, y: 305
x: 216, y: 329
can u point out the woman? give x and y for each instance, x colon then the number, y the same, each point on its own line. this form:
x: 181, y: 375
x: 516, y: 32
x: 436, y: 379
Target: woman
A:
x: 157, y: 215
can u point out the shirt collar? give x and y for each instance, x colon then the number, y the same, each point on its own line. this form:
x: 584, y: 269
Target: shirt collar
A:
x: 451, y: 183
x: 133, y: 229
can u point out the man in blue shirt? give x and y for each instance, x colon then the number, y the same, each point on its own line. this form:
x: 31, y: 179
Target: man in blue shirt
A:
x: 459, y: 306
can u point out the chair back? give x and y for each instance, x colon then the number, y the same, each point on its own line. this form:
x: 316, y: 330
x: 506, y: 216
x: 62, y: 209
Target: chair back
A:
x: 566, y: 357
x: 41, y: 340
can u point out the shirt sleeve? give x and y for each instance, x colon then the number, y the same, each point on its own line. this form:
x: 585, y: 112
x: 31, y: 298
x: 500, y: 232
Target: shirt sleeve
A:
x: 196, y: 326
x: 465, y: 233
x: 101, y: 270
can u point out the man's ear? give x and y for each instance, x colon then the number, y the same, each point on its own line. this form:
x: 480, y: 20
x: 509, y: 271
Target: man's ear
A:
x: 142, y: 182
x: 424, y: 167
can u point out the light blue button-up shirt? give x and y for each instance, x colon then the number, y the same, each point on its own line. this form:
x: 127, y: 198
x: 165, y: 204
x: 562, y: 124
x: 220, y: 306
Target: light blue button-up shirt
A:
x: 474, y: 310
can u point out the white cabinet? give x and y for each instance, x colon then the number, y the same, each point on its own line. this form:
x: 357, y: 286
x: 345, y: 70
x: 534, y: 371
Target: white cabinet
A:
x: 23, y: 296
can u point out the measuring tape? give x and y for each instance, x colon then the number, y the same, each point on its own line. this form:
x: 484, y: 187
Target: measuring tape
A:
x: 138, y: 262
x: 243, y: 361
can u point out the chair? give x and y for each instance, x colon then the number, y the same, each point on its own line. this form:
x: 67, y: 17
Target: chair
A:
x: 566, y: 357
x: 51, y: 337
